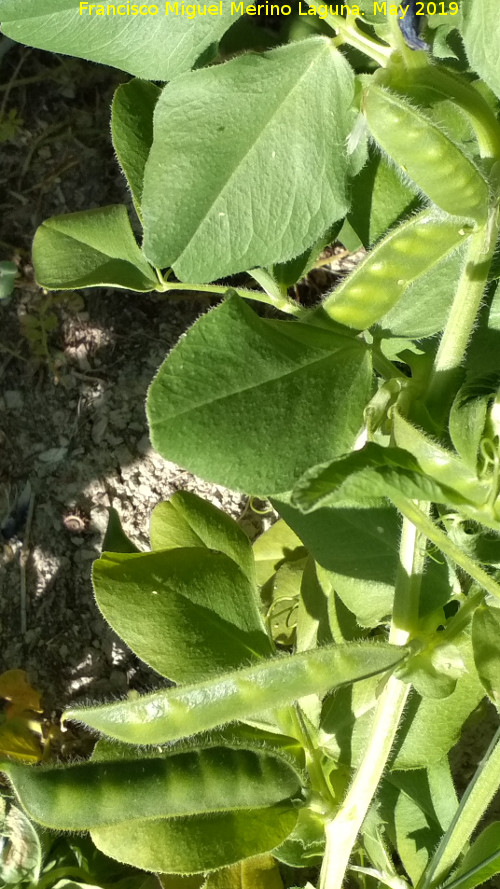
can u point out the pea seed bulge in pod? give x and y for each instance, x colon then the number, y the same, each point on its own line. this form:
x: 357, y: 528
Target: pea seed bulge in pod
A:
x: 249, y: 445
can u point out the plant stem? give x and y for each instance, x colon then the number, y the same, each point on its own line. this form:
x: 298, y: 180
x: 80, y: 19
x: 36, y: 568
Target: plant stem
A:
x: 342, y: 831
x: 411, y: 58
x: 385, y: 367
x: 412, y: 552
x: 482, y: 117
x: 443, y: 542
x: 350, y: 33
x: 463, y: 314
x: 317, y: 777
x: 283, y: 304
x: 473, y: 805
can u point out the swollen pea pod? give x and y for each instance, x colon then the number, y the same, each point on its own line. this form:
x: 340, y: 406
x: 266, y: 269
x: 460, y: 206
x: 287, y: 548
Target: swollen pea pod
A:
x: 175, y: 713
x: 98, y: 794
x: 426, y: 154
x: 377, y: 283
x: 199, y: 843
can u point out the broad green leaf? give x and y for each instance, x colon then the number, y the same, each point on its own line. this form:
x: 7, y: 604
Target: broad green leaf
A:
x: 280, y: 559
x: 342, y: 621
x: 156, y: 46
x: 442, y: 465
x: 185, y: 784
x: 481, y: 544
x: 442, y: 791
x: 132, y: 131
x: 424, y: 308
x: 93, y: 248
x: 313, y: 625
x: 178, y: 881
x: 481, y: 31
x: 468, y: 417
x: 284, y: 602
x: 199, y: 843
x: 187, y: 520
x: 434, y: 671
x: 379, y: 199
x: 412, y: 824
x: 432, y: 726
x: 431, y: 789
x: 276, y: 682
x: 446, y: 43
x: 367, y: 475
x: 375, y: 19
x: 481, y: 862
x: 275, y: 546
x: 115, y: 539
x: 342, y: 712
x: 360, y: 550
x: 306, y: 844
x: 261, y: 872
x: 486, y: 646
x: 20, y: 848
x: 222, y: 195
x: 374, y: 839
x: 188, y: 612
x: 413, y: 836
x: 233, y: 401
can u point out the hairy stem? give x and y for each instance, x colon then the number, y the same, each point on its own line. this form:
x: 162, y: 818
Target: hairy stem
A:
x: 283, y: 304
x: 317, y: 777
x: 443, y: 542
x: 349, y: 32
x: 411, y: 58
x: 463, y: 314
x: 342, y: 831
x: 481, y: 116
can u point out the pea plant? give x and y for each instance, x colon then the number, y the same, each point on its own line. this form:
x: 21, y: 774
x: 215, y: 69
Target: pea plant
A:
x: 318, y: 678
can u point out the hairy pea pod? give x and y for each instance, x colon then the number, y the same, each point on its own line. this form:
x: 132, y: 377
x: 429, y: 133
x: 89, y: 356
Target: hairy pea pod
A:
x: 198, y: 843
x: 98, y: 794
x: 426, y: 154
x: 175, y: 713
x: 379, y: 282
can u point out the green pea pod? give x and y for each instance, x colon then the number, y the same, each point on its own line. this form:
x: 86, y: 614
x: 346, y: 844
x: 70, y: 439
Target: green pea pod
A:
x: 376, y: 285
x: 175, y: 713
x: 426, y: 154
x: 199, y: 843
x: 98, y: 794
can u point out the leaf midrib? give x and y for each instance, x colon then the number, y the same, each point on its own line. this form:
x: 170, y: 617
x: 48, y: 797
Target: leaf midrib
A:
x: 250, y: 387
x: 241, y: 159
